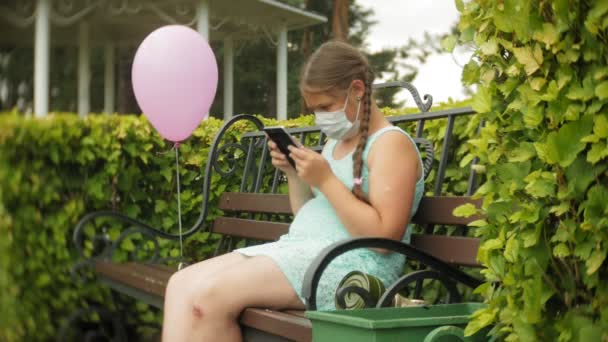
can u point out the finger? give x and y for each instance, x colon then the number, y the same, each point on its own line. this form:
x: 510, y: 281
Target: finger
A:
x: 272, y: 145
x: 299, y: 152
x: 277, y: 155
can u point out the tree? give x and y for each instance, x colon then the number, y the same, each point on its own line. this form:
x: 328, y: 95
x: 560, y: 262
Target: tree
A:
x: 339, y: 28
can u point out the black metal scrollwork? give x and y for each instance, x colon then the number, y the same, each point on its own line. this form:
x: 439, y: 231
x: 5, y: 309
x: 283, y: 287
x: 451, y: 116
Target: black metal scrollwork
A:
x: 423, y: 106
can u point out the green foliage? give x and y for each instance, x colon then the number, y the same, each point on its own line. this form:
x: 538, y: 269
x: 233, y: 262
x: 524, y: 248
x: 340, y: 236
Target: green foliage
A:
x: 541, y: 71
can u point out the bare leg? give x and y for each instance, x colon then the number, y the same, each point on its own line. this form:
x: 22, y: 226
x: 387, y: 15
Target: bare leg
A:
x: 176, y: 324
x: 215, y: 305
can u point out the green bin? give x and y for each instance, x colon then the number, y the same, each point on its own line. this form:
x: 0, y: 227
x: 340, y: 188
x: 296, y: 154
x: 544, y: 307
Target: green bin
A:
x: 432, y: 323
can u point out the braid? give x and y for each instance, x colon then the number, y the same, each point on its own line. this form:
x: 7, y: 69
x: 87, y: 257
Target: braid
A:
x: 363, y: 131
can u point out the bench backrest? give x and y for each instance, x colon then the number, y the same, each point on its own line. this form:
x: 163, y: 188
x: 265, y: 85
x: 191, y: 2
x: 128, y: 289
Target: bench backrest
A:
x: 256, y: 210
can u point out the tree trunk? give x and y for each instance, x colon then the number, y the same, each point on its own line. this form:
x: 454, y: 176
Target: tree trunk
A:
x: 339, y: 26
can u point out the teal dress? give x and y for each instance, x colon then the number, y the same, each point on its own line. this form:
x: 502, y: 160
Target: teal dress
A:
x: 316, y: 226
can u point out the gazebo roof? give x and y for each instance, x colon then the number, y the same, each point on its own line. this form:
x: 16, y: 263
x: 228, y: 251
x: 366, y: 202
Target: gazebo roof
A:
x: 129, y: 21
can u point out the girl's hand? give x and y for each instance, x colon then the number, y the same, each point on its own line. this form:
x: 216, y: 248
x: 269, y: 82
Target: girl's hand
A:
x: 311, y: 167
x: 279, y: 160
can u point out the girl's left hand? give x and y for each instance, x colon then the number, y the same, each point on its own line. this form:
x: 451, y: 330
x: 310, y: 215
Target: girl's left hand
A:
x: 310, y: 165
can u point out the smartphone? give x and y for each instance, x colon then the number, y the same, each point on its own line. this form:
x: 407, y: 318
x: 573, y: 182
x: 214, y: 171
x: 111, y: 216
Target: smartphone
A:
x: 279, y: 135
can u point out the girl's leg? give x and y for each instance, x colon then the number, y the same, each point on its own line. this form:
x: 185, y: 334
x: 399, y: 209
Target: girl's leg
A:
x: 215, y: 305
x: 176, y: 325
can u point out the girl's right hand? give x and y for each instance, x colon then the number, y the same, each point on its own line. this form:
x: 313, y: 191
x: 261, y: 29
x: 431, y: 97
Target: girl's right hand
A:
x: 279, y: 160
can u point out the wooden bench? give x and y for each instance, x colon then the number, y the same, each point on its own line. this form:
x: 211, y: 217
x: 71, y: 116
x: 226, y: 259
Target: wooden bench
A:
x: 258, y: 213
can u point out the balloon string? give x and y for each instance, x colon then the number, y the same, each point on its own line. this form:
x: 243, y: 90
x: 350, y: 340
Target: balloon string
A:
x: 175, y: 145
x: 179, y: 207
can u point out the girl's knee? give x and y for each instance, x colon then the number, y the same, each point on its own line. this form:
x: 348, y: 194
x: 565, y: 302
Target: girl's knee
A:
x: 177, y: 284
x: 212, y: 301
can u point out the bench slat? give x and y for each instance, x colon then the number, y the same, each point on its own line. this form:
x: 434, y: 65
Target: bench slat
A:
x: 432, y: 210
x: 438, y: 210
x: 251, y: 229
x: 452, y: 249
x: 146, y: 278
x: 255, y: 202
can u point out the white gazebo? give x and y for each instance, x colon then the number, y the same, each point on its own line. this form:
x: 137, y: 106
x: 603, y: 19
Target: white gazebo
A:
x: 115, y: 23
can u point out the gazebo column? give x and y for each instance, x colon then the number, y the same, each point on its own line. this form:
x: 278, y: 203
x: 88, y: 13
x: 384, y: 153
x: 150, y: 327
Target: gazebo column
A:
x: 42, y: 49
x: 202, y: 23
x: 228, y: 78
x: 84, y: 71
x: 282, y: 73
x: 109, y: 80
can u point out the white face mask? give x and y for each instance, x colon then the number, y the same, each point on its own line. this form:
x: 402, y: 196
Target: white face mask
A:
x: 335, y: 124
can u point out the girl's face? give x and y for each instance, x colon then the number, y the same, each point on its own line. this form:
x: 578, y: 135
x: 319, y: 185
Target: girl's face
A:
x: 327, y: 102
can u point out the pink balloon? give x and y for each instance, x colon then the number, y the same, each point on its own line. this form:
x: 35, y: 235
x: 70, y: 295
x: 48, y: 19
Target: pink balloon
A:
x: 174, y: 78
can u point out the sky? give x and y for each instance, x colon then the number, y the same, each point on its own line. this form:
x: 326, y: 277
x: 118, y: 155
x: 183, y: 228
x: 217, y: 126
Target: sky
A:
x: 398, y: 20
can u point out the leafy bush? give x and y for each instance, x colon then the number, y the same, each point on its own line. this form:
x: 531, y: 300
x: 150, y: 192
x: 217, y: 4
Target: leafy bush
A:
x: 542, y: 73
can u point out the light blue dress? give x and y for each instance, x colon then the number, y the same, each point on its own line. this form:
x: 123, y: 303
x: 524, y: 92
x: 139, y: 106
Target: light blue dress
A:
x: 316, y: 226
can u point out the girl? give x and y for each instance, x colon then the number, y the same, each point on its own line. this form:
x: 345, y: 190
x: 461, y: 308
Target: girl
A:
x: 367, y: 182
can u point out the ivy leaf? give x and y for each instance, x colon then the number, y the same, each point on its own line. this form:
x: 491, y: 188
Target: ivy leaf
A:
x: 540, y: 184
x: 601, y: 90
x: 459, y: 5
x: 551, y: 92
x: 489, y: 47
x: 600, y: 126
x: 482, y: 100
x: 133, y: 210
x: 529, y: 58
x: 524, y: 331
x: 465, y: 210
x: 448, y: 43
x: 594, y: 207
x: 508, y: 86
x: 511, y: 252
x: 534, y: 116
x: 564, y: 75
x: 160, y: 206
x: 582, y: 91
x: 563, y: 146
x: 548, y: 35
x: 523, y: 152
x: 579, y: 176
x: 478, y: 223
x: 167, y: 173
x: 470, y: 73
x: 561, y: 250
x: 560, y: 209
x: 597, y: 152
x: 530, y: 238
x: 532, y: 297
x: 595, y: 261
x: 480, y: 319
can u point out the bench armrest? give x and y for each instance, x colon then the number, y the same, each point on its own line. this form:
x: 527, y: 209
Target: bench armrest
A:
x: 318, y: 265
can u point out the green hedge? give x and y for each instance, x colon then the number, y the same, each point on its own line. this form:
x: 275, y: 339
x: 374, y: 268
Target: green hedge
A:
x: 542, y: 73
x: 56, y: 169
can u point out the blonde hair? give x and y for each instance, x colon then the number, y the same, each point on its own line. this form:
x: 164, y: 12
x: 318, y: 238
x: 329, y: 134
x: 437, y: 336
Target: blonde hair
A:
x: 331, y: 69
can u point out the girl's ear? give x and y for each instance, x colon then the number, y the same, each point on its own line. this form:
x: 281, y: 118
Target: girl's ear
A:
x: 358, y: 87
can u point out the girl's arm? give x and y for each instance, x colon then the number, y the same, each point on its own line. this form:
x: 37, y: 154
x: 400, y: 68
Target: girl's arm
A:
x: 394, y: 169
x: 299, y: 192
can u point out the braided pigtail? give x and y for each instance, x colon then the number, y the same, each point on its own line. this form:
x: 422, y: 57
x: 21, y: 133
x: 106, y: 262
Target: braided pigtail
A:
x: 364, y: 133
